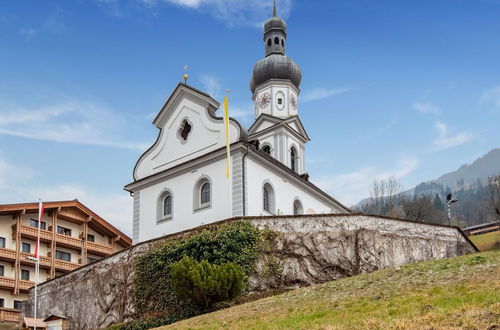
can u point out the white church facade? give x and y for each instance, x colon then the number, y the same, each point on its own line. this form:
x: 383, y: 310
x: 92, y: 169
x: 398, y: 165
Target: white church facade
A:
x: 180, y: 182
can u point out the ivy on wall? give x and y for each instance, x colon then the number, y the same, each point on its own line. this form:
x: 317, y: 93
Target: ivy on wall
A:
x: 235, y: 242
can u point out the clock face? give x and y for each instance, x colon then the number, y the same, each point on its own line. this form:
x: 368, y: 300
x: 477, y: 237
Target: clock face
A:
x: 264, y: 100
x: 293, y: 102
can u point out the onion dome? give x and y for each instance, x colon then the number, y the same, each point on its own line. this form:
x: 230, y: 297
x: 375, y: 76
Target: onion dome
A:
x: 275, y: 64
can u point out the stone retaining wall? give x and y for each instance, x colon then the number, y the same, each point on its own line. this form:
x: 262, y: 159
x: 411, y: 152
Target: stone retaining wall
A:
x: 308, y: 249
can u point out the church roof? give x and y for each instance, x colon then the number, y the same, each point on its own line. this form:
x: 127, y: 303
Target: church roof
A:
x: 287, y: 122
x: 275, y: 65
x: 282, y: 166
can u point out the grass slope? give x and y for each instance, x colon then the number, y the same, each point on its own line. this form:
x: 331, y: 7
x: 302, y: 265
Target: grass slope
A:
x: 487, y: 242
x: 457, y: 293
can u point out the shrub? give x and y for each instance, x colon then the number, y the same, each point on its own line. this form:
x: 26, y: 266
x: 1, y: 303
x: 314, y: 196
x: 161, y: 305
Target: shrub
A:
x: 234, y: 242
x: 204, y: 283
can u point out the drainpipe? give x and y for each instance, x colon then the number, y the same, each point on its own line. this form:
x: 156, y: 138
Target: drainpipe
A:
x: 243, y: 171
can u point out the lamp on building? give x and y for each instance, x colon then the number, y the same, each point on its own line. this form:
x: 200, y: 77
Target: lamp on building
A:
x: 450, y: 200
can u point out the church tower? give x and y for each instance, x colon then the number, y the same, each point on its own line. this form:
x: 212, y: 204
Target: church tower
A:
x: 276, y: 78
x: 275, y: 87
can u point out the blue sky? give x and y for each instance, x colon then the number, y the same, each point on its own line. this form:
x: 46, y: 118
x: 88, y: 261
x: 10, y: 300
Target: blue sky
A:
x: 405, y: 88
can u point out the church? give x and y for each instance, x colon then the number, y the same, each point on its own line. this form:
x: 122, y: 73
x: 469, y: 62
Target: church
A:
x: 180, y: 182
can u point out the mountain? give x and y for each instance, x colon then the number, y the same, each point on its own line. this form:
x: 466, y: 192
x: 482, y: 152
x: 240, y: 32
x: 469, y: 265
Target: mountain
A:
x: 481, y: 168
x: 464, y: 177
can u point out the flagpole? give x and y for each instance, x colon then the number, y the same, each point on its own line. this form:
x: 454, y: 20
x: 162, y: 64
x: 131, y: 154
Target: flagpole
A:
x: 37, y: 259
x: 228, y: 151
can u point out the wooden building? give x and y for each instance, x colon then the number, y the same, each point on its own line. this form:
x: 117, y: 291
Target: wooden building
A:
x: 71, y: 236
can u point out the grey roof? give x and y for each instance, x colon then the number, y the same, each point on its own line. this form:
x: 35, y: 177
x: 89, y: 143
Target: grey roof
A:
x: 275, y: 66
x: 275, y: 23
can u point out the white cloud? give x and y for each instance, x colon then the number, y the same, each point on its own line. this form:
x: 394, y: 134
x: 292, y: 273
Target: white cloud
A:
x: 211, y: 85
x: 445, y: 140
x: 72, y: 121
x: 491, y: 97
x: 232, y: 12
x: 350, y: 188
x: 18, y: 184
x: 427, y: 108
x: 28, y: 33
x: 9, y: 174
x: 114, y: 208
x: 322, y: 93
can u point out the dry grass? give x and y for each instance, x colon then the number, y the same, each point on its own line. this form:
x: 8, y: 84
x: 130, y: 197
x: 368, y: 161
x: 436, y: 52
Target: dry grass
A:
x: 458, y: 293
x: 487, y: 242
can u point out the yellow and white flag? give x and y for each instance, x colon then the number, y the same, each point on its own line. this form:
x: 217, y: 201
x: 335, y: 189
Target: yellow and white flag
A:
x: 226, y: 122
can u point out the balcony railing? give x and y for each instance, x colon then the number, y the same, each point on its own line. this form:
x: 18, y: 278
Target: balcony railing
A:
x: 44, y: 261
x: 7, y: 254
x: 10, y: 315
x: 99, y: 248
x: 45, y: 235
x: 7, y: 282
x: 69, y: 241
x: 65, y: 266
x: 25, y: 285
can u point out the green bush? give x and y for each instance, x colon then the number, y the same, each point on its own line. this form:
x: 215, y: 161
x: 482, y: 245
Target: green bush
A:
x: 205, y: 284
x: 234, y: 242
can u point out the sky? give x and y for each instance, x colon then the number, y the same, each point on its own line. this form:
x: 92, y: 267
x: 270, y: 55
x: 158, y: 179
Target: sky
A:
x: 404, y: 88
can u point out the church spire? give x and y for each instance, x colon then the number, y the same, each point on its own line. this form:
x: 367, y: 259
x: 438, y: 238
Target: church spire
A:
x: 274, y: 9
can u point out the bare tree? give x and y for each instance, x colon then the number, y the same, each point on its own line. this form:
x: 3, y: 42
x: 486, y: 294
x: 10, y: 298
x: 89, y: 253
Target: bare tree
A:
x: 385, y: 196
x: 493, y: 196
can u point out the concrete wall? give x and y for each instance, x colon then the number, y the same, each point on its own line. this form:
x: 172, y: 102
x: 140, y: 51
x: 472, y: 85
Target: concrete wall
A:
x: 310, y: 249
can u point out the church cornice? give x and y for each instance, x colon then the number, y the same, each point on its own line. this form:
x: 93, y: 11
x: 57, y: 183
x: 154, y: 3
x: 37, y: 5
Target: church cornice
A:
x: 279, y: 123
x: 268, y: 161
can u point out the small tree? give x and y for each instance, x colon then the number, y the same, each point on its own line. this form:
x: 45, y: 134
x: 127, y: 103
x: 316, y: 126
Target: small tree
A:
x: 205, y: 284
x: 493, y: 196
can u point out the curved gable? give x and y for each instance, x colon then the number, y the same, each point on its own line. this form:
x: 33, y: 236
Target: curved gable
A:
x: 206, y: 132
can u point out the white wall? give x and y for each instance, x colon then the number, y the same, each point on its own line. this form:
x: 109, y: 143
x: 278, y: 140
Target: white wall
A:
x: 6, y: 223
x: 207, y: 134
x: 281, y: 143
x: 276, y: 89
x: 9, y: 297
x: 285, y: 193
x: 182, y: 188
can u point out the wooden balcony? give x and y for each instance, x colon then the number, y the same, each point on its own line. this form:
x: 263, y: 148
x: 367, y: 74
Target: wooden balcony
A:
x: 31, y: 232
x: 25, y: 285
x: 10, y: 315
x: 7, y: 254
x: 65, y: 266
x: 45, y: 262
x: 68, y: 241
x: 8, y: 283
x: 99, y: 249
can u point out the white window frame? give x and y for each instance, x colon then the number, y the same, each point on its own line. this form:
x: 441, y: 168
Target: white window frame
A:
x: 160, y: 216
x: 197, y: 204
x: 272, y: 198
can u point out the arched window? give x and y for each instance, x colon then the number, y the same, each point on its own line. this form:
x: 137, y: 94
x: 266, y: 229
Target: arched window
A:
x: 293, y: 159
x: 268, y: 198
x: 165, y: 206
x: 297, y: 208
x: 267, y: 149
x: 282, y: 43
x: 202, y: 196
x: 205, y: 193
x: 277, y: 41
x: 268, y: 42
